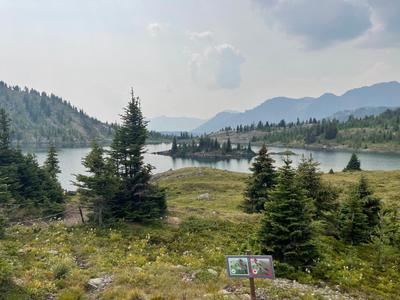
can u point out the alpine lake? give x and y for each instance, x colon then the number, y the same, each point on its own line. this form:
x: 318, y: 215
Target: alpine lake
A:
x: 71, y: 160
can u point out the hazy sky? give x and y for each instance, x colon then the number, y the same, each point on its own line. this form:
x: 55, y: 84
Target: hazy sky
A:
x: 196, y: 58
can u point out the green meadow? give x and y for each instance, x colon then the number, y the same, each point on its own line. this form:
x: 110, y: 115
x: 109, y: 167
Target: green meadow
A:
x: 183, y: 255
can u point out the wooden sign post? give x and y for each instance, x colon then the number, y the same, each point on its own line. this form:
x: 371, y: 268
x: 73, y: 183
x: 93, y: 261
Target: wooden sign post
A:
x: 250, y: 266
x: 252, y: 284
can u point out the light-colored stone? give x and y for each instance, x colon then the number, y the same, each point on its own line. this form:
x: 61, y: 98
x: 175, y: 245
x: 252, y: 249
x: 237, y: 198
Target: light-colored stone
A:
x: 172, y: 220
x: 100, y: 282
x: 95, y: 282
x: 212, y: 272
x: 205, y: 196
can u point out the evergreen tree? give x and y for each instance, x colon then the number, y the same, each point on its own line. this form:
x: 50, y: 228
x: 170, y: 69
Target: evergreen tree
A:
x: 354, y: 164
x: 260, y: 183
x: 228, y: 146
x: 4, y: 130
x: 101, y: 186
x: 51, y: 165
x: 353, y: 222
x: 22, y: 180
x: 286, y: 229
x: 4, y: 192
x: 371, y: 205
x: 3, y: 224
x: 249, y: 150
x: 323, y: 195
x: 174, y: 148
x: 360, y: 214
x: 137, y: 199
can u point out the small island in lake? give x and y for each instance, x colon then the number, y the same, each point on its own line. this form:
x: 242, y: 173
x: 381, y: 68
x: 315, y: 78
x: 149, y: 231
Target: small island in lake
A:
x: 285, y: 153
x: 208, y: 148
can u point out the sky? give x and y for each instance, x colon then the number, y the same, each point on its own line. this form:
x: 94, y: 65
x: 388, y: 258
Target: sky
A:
x: 196, y: 57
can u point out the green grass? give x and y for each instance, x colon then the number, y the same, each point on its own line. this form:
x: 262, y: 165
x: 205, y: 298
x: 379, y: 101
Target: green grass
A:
x: 153, y: 260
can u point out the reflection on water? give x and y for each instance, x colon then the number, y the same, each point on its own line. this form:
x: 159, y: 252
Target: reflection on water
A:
x: 70, y: 161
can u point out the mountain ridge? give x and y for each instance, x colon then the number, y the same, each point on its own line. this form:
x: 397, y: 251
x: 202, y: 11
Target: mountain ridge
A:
x: 39, y: 119
x: 385, y: 94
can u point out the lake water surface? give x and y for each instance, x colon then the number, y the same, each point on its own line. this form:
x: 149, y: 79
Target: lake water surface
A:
x: 70, y: 161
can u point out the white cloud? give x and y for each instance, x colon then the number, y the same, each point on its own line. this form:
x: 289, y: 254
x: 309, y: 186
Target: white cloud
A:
x: 386, y: 21
x: 203, y: 35
x: 217, y: 67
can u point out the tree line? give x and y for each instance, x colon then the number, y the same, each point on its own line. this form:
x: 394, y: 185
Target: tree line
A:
x: 27, y: 189
x: 41, y: 119
x: 297, y: 206
x: 357, y: 132
x: 207, y: 144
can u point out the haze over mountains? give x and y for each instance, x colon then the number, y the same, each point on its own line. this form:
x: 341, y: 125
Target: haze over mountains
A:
x: 174, y: 124
x: 385, y: 94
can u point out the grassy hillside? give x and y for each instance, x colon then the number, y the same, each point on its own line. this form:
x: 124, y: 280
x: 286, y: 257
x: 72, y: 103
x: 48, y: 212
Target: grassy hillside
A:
x: 182, y: 257
x: 38, y: 118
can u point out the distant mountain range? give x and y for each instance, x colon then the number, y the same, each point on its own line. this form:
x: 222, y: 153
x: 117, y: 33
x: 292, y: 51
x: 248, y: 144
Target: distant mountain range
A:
x: 362, y: 112
x: 38, y: 119
x: 385, y: 94
x: 174, y: 124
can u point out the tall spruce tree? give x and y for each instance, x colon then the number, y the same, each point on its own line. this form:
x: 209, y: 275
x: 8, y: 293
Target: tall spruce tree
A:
x: 260, y: 182
x: 360, y: 213
x: 371, y: 205
x: 51, y: 164
x: 286, y: 229
x: 354, y: 164
x: 100, y: 187
x: 323, y: 195
x: 138, y: 199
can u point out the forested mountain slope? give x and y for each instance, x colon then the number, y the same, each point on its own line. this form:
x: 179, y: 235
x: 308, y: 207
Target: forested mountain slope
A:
x: 380, y: 132
x: 38, y: 119
x: 273, y: 110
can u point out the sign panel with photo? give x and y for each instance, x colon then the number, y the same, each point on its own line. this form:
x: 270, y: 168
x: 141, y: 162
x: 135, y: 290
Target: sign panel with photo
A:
x: 262, y: 267
x: 250, y: 266
x: 238, y: 266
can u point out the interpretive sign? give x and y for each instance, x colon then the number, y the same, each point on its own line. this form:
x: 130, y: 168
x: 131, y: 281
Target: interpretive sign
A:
x: 238, y: 266
x: 250, y: 266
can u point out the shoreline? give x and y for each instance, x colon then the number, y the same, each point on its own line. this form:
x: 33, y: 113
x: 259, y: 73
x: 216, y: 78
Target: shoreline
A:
x: 332, y: 148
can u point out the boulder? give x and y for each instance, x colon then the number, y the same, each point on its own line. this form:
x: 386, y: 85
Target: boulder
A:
x: 99, y: 283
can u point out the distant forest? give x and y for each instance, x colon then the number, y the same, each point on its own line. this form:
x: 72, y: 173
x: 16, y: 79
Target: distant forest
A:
x: 363, y: 132
x: 39, y: 119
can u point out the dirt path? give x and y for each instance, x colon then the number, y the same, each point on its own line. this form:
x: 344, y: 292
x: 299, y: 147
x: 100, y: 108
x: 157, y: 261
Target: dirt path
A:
x: 72, y: 215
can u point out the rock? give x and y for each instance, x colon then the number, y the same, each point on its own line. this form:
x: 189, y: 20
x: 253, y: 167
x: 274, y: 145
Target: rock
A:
x: 205, y: 196
x: 18, y: 281
x: 212, y: 272
x: 100, y: 282
x: 172, y: 220
x: 95, y: 282
x: 229, y: 288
